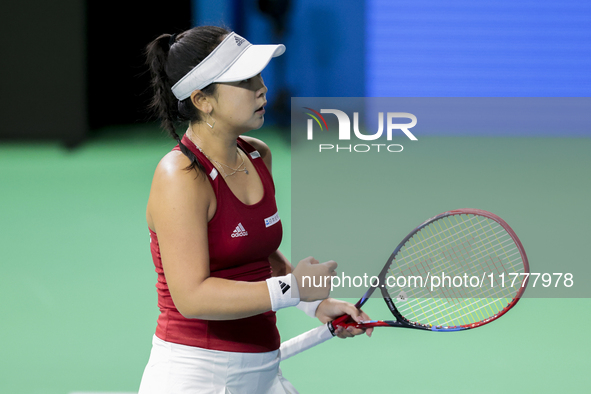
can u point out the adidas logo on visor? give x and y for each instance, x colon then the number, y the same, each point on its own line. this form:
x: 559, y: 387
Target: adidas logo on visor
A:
x: 239, y: 231
x: 239, y: 40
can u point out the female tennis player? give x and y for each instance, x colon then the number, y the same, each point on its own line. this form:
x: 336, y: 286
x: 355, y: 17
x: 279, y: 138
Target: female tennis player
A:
x: 214, y: 225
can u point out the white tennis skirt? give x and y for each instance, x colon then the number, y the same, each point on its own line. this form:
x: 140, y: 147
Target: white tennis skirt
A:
x: 180, y: 369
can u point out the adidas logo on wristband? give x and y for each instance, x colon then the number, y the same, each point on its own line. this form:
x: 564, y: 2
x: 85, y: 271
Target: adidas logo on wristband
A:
x: 283, y: 291
x: 284, y: 287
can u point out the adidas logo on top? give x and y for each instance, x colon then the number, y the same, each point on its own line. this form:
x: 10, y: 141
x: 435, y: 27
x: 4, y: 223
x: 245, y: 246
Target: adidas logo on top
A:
x: 239, y: 40
x: 239, y: 231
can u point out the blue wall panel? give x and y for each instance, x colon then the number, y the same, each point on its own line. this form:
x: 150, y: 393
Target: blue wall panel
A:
x: 466, y: 48
x: 325, y: 43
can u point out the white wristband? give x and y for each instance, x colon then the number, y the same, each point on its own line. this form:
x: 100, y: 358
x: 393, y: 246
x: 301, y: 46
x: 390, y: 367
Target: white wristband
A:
x: 283, y: 291
x: 309, y: 307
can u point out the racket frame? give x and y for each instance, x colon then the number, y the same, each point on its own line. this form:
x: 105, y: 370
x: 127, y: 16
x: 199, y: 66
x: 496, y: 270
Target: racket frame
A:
x: 345, y: 320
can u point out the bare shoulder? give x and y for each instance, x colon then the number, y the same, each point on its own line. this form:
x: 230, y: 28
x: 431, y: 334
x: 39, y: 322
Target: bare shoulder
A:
x: 171, y: 163
x: 174, y: 186
x: 172, y: 170
x: 262, y: 148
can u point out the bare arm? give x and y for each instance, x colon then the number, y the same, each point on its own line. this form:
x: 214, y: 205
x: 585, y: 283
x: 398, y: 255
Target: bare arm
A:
x: 179, y: 208
x: 279, y: 264
x: 178, y: 211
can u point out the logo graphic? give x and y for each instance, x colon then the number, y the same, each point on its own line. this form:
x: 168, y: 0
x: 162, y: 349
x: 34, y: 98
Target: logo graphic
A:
x: 317, y: 121
x: 284, y: 286
x: 345, y: 129
x: 402, y: 296
x: 271, y: 220
x: 239, y: 231
x: 239, y: 40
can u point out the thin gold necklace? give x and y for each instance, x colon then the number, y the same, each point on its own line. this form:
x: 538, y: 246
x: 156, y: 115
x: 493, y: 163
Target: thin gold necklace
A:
x: 241, y: 167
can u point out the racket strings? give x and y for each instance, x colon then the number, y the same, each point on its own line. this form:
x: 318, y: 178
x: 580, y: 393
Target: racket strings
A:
x: 460, y: 247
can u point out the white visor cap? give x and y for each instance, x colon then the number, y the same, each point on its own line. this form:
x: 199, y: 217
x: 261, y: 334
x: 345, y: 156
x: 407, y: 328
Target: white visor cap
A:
x: 234, y: 59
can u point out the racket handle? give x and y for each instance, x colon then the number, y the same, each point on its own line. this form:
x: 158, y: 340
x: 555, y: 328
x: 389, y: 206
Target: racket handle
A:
x: 342, y: 321
x: 304, y: 341
x: 345, y: 321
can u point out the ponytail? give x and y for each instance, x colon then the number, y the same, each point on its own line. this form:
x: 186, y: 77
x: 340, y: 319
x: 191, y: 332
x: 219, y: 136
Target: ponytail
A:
x: 169, y: 58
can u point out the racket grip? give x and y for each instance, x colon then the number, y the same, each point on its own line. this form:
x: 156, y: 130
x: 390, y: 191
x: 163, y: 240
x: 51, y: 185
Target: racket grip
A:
x: 314, y: 337
x: 305, y: 341
x: 342, y: 321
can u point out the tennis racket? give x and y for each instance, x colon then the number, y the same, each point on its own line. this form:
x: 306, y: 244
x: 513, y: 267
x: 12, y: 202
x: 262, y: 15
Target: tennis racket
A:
x: 481, y: 255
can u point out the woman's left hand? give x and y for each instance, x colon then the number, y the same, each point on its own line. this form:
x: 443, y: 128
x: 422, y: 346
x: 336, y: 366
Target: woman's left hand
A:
x: 330, y: 309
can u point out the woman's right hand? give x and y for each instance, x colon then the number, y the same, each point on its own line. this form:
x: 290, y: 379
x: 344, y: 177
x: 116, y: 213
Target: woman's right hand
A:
x: 315, y: 273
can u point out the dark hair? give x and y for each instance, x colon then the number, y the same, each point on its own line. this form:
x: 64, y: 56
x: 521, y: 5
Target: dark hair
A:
x: 171, y: 57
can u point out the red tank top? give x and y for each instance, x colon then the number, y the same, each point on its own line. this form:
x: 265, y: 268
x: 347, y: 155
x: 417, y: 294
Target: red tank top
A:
x: 241, y: 238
